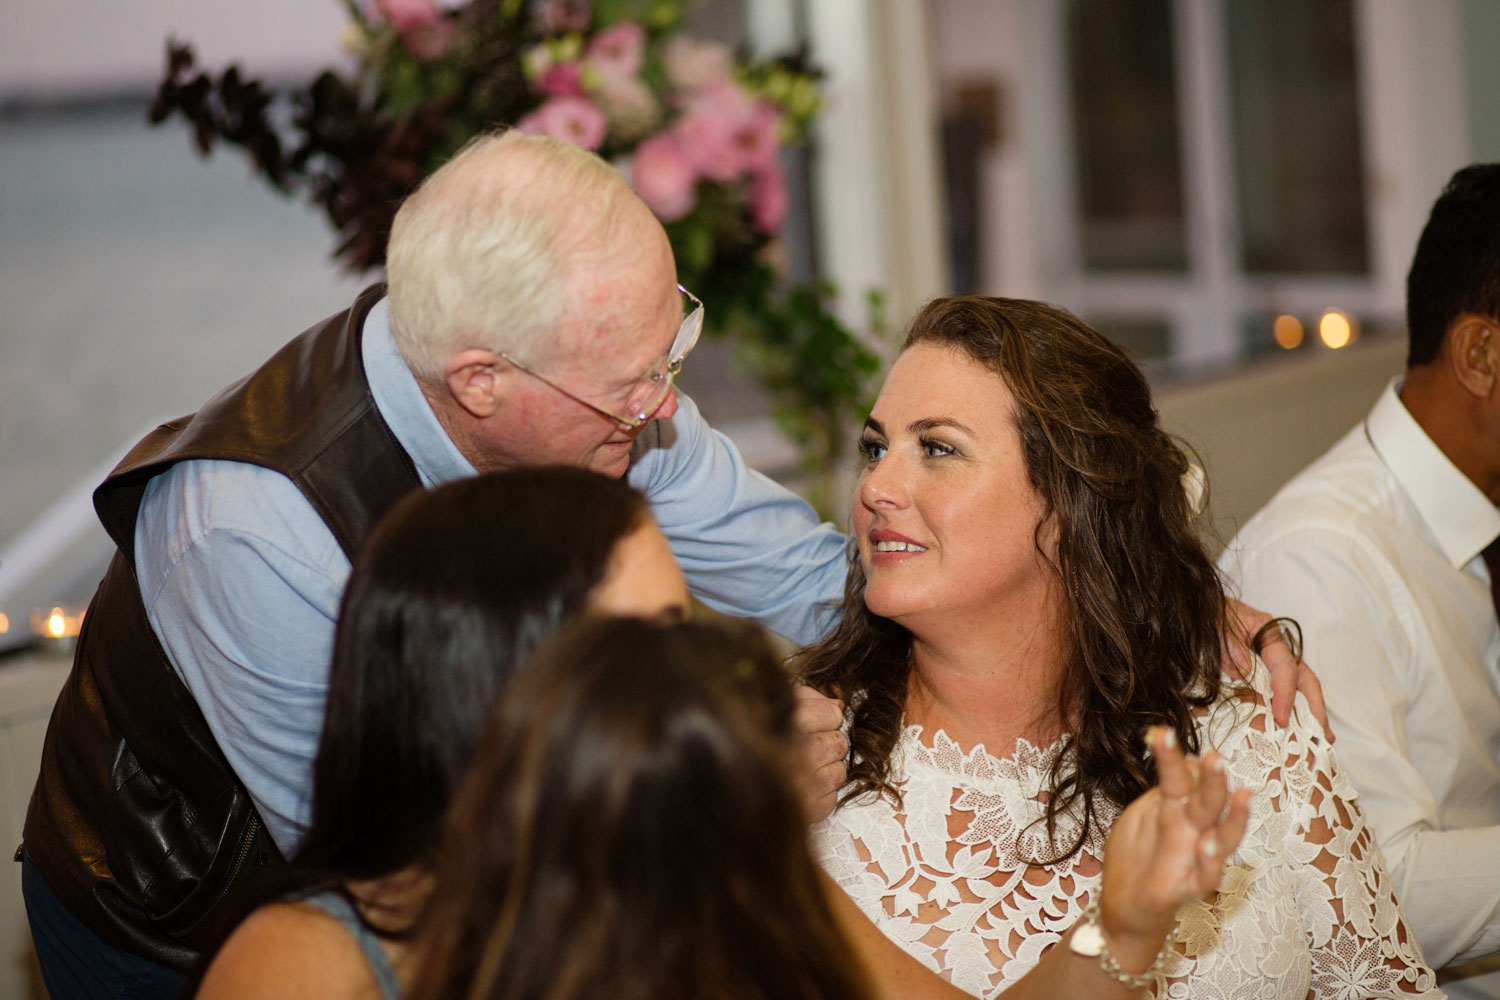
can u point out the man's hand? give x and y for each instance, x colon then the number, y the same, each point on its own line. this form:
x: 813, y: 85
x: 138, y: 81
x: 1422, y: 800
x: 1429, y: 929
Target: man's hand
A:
x: 824, y: 749
x: 1288, y: 673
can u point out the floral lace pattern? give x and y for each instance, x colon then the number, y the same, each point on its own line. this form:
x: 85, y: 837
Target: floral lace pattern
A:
x: 1305, y: 907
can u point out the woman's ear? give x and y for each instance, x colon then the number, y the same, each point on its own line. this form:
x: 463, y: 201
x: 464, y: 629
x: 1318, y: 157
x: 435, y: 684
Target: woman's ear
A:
x: 1474, y: 353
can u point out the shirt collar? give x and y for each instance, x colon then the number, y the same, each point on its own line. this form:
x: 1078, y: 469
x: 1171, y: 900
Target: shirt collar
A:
x: 1457, y: 512
x: 400, y: 401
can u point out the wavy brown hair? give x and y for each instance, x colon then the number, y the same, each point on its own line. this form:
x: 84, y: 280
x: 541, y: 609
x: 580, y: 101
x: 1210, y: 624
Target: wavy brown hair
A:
x: 1145, y: 608
x: 630, y: 831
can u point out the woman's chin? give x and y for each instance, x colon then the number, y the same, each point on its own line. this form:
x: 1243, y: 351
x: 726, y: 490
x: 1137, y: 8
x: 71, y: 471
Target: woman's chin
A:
x: 896, y: 607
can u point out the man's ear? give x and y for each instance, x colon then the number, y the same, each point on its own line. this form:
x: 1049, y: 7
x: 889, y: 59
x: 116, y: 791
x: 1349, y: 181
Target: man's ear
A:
x: 1474, y: 353
x: 474, y: 380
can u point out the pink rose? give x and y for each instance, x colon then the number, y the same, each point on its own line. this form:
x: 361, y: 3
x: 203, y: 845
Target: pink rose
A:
x: 629, y: 105
x: 561, y: 80
x: 663, y: 177
x: 768, y: 198
x: 708, y: 130
x: 693, y: 64
x: 571, y: 119
x: 430, y: 41
x: 425, y: 31
x: 756, y: 136
x: 727, y: 134
x: 618, y: 50
x: 407, y: 15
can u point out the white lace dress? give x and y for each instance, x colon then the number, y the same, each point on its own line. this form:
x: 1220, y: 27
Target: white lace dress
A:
x: 1305, y: 907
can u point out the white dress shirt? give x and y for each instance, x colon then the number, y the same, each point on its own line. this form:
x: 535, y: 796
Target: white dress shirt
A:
x: 1375, y: 550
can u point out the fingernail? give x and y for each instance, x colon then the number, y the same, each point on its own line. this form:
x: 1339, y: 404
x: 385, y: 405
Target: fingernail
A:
x: 1168, y: 737
x: 1211, y: 846
x: 1218, y: 765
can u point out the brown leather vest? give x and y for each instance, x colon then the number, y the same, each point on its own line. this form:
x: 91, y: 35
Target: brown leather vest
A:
x: 137, y: 821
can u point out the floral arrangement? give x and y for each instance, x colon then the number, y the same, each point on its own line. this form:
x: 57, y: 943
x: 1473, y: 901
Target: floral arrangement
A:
x: 698, y: 129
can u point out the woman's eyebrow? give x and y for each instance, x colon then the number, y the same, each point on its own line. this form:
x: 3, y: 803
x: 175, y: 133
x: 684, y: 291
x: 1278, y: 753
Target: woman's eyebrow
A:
x: 932, y: 423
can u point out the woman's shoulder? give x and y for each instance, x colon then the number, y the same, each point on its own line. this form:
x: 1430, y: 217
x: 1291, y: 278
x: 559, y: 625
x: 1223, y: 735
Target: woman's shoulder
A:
x: 289, y: 949
x: 1240, y: 719
x: 1282, y: 762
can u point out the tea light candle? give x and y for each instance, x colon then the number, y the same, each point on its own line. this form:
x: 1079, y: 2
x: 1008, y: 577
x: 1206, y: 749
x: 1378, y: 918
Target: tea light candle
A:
x: 56, y: 630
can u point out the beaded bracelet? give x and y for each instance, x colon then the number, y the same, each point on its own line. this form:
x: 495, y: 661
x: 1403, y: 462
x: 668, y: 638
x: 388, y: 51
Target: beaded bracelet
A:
x: 1088, y: 941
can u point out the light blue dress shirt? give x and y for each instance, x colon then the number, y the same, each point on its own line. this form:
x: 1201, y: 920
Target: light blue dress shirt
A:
x: 242, y: 579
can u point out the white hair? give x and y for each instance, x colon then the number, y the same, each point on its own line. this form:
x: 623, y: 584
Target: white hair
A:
x: 480, y: 254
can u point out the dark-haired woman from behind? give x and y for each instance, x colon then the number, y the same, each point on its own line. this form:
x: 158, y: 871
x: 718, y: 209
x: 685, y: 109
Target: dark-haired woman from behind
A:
x: 630, y: 831
x: 449, y: 594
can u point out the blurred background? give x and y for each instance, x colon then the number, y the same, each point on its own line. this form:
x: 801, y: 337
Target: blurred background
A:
x: 1230, y: 188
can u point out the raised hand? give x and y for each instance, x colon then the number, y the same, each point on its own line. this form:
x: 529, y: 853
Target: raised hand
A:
x: 1168, y: 847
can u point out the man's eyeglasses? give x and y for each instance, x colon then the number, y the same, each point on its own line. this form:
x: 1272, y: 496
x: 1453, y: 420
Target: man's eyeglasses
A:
x: 647, y: 396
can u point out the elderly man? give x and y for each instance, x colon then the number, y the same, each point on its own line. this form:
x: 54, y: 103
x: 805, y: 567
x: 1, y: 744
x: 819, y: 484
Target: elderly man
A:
x: 532, y: 317
x: 1385, y: 550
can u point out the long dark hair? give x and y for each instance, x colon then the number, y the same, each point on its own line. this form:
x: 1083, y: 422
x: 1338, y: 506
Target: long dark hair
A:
x: 630, y: 830
x: 1145, y: 607
x: 447, y: 596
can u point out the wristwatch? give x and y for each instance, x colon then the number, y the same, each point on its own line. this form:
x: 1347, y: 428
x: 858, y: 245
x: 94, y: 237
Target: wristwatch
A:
x: 1088, y: 941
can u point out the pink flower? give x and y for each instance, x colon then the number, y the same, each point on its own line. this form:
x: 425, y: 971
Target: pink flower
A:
x: 425, y: 31
x: 571, y: 119
x: 407, y: 15
x: 663, y: 177
x: 562, y: 17
x: 629, y: 105
x: 726, y: 133
x: 430, y: 41
x: 618, y: 50
x: 693, y: 64
x: 768, y: 198
x: 561, y: 80
x: 756, y: 136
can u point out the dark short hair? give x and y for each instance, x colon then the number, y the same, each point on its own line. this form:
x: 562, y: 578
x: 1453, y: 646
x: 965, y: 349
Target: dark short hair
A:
x: 1456, y: 268
x: 631, y: 830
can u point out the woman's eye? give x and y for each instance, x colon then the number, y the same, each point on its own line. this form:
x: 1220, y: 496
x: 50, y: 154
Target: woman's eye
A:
x: 936, y: 449
x: 871, y: 450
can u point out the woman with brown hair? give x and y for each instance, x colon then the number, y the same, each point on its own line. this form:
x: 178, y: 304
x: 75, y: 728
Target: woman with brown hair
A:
x: 630, y: 830
x: 1027, y: 598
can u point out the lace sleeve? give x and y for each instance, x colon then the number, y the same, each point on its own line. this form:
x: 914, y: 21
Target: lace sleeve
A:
x: 1306, y: 811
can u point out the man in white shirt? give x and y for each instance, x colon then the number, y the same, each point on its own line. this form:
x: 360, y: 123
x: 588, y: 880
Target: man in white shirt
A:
x: 1377, y: 549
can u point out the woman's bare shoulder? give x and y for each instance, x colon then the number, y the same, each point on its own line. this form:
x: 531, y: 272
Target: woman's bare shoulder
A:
x: 289, y: 950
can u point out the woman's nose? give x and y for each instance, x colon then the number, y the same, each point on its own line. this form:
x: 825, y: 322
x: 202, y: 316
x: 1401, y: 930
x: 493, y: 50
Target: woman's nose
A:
x: 882, y: 486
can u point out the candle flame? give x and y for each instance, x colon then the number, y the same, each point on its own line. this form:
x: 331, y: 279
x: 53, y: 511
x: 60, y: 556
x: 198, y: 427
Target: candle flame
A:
x: 56, y: 623
x: 1288, y: 331
x: 1336, y: 329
